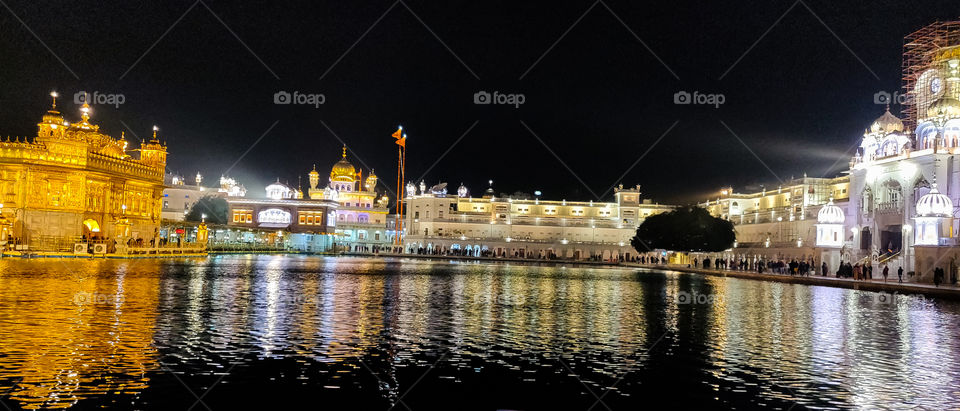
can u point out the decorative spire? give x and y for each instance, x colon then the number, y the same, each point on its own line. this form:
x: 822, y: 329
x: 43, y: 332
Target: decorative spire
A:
x: 85, y: 111
x: 344, y: 151
x: 54, y: 95
x: 155, y: 129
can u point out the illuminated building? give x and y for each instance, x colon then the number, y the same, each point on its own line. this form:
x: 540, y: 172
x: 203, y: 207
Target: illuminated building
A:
x: 299, y: 224
x: 178, y: 196
x: 895, y: 212
x: 779, y: 223
x: 528, y: 228
x: 361, y: 215
x: 72, y: 180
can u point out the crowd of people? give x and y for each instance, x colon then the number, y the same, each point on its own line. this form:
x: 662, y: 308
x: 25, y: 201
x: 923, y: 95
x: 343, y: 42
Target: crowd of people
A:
x: 857, y: 271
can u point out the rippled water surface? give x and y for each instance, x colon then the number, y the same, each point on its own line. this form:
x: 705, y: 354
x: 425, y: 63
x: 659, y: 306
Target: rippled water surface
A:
x: 284, y: 331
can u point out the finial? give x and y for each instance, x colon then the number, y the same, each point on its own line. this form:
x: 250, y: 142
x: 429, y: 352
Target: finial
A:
x: 121, y: 135
x: 54, y: 95
x: 155, y: 129
x: 888, y: 107
x: 85, y: 110
x: 344, y: 151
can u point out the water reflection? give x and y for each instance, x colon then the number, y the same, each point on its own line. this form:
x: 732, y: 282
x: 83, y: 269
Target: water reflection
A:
x: 508, y: 336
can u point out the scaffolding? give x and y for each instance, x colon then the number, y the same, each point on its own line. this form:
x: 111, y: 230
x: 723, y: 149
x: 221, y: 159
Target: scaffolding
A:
x: 923, y: 51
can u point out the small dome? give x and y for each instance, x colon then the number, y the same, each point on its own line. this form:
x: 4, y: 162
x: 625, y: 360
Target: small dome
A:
x: 887, y: 123
x: 53, y: 117
x: 463, y: 192
x: 343, y: 171
x: 934, y: 204
x: 830, y: 214
x: 371, y: 182
x: 944, y: 106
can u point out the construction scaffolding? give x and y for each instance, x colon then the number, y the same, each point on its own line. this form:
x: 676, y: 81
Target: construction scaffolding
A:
x: 924, y: 54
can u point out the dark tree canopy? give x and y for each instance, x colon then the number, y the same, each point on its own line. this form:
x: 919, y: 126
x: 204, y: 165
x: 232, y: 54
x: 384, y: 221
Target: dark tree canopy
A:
x: 215, y: 208
x: 687, y: 228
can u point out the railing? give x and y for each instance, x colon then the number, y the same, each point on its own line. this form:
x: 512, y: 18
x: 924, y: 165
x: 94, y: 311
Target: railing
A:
x: 885, y: 258
x: 599, y: 222
x: 889, y: 207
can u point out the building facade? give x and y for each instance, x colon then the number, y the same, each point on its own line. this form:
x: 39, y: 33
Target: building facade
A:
x: 285, y: 218
x: 438, y: 223
x: 73, y: 181
x: 896, y: 204
x: 361, y: 219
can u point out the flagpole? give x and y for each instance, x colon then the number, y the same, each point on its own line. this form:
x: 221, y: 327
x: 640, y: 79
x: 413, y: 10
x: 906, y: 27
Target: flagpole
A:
x: 396, y: 226
x: 403, y: 176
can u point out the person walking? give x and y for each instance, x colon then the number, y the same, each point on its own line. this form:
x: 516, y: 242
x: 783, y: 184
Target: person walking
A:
x: 900, y: 274
x: 886, y: 272
x: 823, y: 269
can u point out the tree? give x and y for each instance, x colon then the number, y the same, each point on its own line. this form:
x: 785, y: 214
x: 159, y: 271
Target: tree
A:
x: 687, y: 228
x: 215, y: 208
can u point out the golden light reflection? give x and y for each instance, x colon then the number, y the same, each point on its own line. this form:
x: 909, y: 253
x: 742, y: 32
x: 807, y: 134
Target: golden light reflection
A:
x: 77, y: 334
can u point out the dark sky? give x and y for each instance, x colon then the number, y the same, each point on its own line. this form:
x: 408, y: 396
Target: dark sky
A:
x: 597, y: 100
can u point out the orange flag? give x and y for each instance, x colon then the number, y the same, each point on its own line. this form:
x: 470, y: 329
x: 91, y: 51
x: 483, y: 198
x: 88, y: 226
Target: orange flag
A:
x: 402, y: 142
x: 397, y: 134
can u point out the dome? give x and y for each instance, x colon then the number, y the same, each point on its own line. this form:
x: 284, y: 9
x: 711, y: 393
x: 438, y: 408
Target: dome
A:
x: 343, y: 171
x: 463, y: 192
x: 934, y: 204
x: 887, y: 123
x: 944, y: 106
x: 830, y: 214
x: 53, y: 117
x: 371, y: 181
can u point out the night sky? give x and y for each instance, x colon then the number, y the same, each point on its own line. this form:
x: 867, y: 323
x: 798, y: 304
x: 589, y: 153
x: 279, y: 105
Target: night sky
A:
x: 595, y: 101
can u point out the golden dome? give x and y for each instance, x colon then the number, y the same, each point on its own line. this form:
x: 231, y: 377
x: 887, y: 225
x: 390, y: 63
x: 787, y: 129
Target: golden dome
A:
x: 944, y: 106
x: 53, y: 116
x: 343, y: 171
x: 371, y: 181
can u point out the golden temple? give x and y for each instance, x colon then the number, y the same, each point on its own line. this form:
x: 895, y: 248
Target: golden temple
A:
x: 73, y: 182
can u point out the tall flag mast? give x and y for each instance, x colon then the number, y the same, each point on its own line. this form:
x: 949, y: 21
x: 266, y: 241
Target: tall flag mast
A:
x: 401, y: 140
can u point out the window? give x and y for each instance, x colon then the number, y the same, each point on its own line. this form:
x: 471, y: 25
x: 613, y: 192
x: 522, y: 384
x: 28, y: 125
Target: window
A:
x: 302, y: 219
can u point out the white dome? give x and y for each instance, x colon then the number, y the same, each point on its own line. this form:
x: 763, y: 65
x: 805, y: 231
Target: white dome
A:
x: 830, y: 214
x: 934, y: 203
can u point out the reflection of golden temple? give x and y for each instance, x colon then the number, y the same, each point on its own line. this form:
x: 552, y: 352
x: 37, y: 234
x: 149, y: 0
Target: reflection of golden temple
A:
x: 74, y: 340
x: 72, y: 180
